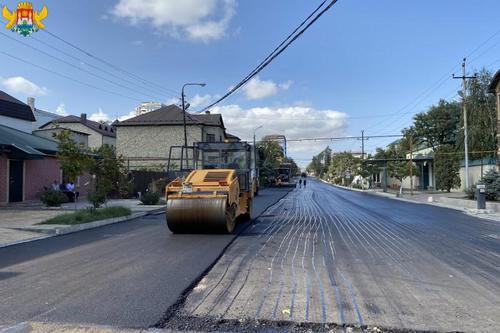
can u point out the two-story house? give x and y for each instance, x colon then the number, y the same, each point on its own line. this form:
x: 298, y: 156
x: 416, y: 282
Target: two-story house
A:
x: 98, y: 134
x: 145, y: 140
x: 494, y: 88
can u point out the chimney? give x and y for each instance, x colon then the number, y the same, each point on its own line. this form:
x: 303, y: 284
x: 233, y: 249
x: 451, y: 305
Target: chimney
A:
x: 31, y: 103
x: 207, y: 112
x: 83, y: 117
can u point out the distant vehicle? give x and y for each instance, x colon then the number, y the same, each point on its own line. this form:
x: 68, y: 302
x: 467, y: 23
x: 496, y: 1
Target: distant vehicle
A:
x: 284, y: 176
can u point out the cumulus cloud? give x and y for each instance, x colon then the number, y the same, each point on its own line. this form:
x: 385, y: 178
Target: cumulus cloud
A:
x: 258, y: 89
x: 21, y: 85
x: 61, y: 110
x: 198, y: 20
x: 99, y: 116
x: 200, y: 100
x: 292, y: 121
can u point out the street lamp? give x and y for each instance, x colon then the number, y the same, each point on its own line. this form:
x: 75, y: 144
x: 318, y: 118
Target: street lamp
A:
x: 184, y: 108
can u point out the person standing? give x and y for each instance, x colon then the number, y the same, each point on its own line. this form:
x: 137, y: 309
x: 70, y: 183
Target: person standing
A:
x: 300, y: 183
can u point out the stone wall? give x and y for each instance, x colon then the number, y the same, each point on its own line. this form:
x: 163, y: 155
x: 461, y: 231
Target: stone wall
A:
x: 146, y: 143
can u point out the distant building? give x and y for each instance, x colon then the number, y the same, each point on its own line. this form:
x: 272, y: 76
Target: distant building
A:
x: 145, y: 140
x: 99, y: 134
x: 148, y: 107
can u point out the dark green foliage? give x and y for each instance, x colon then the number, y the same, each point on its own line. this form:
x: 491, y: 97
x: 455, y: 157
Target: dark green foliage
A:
x: 53, y: 198
x: 72, y: 156
x: 358, y: 186
x: 97, y: 198
x: 492, y: 181
x: 89, y: 215
x: 447, y: 168
x: 481, y: 118
x: 439, y: 125
x: 150, y: 198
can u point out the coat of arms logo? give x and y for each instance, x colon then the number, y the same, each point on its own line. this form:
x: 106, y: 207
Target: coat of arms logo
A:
x: 24, y: 20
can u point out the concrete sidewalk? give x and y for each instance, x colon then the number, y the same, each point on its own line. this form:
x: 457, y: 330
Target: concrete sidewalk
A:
x: 20, y: 224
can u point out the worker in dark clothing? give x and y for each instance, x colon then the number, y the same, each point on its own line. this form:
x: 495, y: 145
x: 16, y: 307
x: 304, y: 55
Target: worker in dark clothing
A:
x: 300, y: 183
x: 305, y: 182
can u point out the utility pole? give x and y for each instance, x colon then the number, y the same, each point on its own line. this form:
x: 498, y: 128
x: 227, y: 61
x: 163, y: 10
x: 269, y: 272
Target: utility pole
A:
x: 411, y: 165
x: 363, y: 144
x: 184, y: 120
x: 464, y: 78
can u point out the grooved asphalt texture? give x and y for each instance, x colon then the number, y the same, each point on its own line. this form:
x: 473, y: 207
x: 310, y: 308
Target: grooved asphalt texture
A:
x: 124, y: 275
x: 328, y: 255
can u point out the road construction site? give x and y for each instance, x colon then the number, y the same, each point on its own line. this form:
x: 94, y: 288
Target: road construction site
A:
x: 331, y: 258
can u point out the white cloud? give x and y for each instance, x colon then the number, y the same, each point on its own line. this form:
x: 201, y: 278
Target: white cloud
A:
x: 99, y: 116
x: 200, y: 100
x: 199, y: 20
x: 137, y: 42
x: 20, y: 85
x: 258, y: 89
x: 292, y: 121
x: 127, y: 116
x: 61, y: 110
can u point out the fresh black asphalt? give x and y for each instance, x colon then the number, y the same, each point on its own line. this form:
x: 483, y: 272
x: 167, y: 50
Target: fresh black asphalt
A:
x: 123, y: 275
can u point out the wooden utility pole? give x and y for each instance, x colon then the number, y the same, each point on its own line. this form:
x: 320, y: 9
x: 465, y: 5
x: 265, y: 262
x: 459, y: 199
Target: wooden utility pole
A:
x: 363, y: 144
x: 411, y: 164
x: 464, y: 78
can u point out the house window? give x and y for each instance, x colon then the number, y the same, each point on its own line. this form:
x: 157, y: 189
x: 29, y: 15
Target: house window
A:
x: 210, y: 137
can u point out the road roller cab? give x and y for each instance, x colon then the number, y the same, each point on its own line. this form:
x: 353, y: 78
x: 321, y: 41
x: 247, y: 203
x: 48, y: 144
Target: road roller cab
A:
x: 218, y: 191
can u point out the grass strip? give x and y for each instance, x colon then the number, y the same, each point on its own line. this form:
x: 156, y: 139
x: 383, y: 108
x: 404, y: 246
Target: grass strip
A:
x: 88, y: 215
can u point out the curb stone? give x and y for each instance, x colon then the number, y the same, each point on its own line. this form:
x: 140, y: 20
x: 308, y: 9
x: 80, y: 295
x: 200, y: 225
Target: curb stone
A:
x: 85, y: 226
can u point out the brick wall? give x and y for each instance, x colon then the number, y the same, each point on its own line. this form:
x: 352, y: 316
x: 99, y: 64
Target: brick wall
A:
x: 3, y: 179
x: 39, y: 173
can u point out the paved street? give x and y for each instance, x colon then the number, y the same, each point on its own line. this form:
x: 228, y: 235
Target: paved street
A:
x: 124, y: 275
x: 328, y: 255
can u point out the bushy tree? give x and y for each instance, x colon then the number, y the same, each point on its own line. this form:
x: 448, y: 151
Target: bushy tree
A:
x: 481, y: 118
x: 73, y: 157
x: 109, y: 170
x: 439, y: 125
x: 447, y: 168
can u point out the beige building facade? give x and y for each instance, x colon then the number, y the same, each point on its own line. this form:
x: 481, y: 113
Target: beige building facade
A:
x: 144, y: 141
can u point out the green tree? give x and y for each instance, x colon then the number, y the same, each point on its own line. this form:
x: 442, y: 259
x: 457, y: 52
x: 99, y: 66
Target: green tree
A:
x: 73, y: 157
x: 346, y: 166
x: 447, y: 168
x: 439, y: 125
x: 271, y: 155
x: 481, y: 117
x: 109, y: 170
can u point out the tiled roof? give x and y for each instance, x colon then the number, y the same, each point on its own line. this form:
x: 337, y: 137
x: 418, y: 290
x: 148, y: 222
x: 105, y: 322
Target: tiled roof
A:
x: 14, y: 108
x: 106, y: 130
x: 172, y: 115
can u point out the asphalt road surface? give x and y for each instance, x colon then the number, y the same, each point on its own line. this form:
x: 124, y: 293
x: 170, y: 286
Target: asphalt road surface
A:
x: 124, y: 275
x: 328, y: 255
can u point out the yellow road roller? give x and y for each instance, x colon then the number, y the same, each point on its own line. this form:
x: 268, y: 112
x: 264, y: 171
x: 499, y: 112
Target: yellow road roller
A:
x: 217, y: 192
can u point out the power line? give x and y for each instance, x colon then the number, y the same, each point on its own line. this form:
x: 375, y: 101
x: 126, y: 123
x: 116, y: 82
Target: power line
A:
x: 277, y: 51
x: 74, y: 66
x: 67, y: 77
x: 100, y: 69
x: 115, y: 67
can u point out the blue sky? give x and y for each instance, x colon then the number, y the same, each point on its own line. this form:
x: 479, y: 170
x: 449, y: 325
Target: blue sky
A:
x: 361, y: 60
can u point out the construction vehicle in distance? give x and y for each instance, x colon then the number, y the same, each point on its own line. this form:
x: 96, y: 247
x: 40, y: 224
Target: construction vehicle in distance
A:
x: 213, y: 188
x: 284, y: 176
